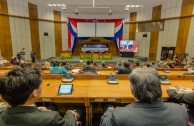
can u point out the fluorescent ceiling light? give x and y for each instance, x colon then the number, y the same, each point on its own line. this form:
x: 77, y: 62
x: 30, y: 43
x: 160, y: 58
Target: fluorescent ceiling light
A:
x: 50, y: 5
x: 126, y: 8
x: 127, y: 5
x: 132, y: 5
x: 59, y: 5
x: 54, y: 5
x: 137, y: 5
x: 63, y: 5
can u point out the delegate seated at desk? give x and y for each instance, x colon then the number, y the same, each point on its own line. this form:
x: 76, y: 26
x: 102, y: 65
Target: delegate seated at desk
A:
x: 125, y: 69
x: 21, y: 88
x: 186, y: 98
x: 148, y: 108
x: 57, y: 69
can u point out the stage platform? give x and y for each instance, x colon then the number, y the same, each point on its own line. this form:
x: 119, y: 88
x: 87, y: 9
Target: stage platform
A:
x: 76, y: 59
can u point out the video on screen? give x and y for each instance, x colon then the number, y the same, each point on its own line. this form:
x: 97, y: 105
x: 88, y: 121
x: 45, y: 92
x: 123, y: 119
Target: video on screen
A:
x: 128, y: 46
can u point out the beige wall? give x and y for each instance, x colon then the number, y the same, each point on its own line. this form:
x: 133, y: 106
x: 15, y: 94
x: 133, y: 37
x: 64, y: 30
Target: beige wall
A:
x: 21, y: 38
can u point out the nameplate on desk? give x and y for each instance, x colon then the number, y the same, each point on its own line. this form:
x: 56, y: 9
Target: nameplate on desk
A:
x: 99, y: 99
x: 46, y: 99
x: 112, y: 99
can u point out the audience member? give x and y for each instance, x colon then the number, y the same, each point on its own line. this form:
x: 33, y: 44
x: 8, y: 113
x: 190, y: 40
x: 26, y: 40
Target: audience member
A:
x: 89, y: 68
x: 13, y: 60
x: 46, y: 65
x: 154, y: 65
x: 125, y: 69
x: 57, y: 69
x: 186, y: 98
x: 148, y: 108
x: 103, y: 65
x: 21, y: 88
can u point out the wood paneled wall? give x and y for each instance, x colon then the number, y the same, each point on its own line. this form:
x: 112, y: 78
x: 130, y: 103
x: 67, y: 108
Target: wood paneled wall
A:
x: 5, y: 33
x: 184, y: 26
x: 111, y: 44
x: 58, y: 32
x: 132, y: 26
x: 34, y: 29
x: 156, y: 15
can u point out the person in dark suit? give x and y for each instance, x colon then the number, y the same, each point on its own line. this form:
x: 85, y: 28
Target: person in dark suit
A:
x: 148, y: 108
x: 186, y: 98
x: 125, y: 69
x: 128, y: 46
x: 21, y: 88
x: 89, y: 69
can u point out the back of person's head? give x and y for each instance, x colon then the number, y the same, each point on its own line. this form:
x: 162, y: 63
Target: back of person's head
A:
x: 47, y: 64
x: 63, y: 63
x: 148, y: 65
x: 137, y: 64
x: 119, y: 63
x: 126, y: 64
x: 84, y: 64
x: 89, y: 62
x: 18, y: 84
x: 153, y: 63
x: 26, y: 65
x: 103, y: 63
x: 145, y: 84
x: 55, y: 63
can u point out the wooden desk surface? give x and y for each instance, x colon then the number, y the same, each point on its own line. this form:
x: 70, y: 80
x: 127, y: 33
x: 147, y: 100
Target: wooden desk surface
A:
x: 79, y: 95
x: 171, y: 73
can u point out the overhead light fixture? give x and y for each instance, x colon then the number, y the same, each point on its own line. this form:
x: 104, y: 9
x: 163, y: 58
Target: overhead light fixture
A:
x: 93, y: 3
x: 76, y: 11
x: 132, y: 5
x: 110, y: 11
x: 128, y: 5
x: 63, y: 5
x: 50, y: 5
x: 54, y: 5
x: 59, y: 5
x: 137, y: 5
x: 126, y: 8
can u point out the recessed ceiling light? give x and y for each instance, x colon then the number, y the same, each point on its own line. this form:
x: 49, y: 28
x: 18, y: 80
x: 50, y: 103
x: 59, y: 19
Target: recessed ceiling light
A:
x: 63, y: 5
x: 132, y: 5
x: 126, y: 8
x: 137, y: 5
x: 54, y: 5
x: 127, y: 5
x: 50, y: 5
x: 59, y: 5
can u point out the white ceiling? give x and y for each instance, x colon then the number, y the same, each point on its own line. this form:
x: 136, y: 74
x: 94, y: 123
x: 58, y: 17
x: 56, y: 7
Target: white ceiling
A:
x: 83, y: 6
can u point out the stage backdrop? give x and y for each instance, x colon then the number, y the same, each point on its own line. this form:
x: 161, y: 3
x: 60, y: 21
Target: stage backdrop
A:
x: 73, y: 36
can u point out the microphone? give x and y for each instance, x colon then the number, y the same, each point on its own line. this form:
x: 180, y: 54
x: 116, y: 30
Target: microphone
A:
x: 55, y: 79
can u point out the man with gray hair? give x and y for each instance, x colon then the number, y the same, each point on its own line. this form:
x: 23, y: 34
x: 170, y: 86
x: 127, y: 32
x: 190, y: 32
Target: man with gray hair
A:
x: 148, y: 108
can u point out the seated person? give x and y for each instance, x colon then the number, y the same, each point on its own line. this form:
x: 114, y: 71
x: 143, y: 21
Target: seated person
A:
x: 57, y: 69
x: 103, y: 65
x: 148, y: 108
x: 13, y: 60
x: 21, y: 88
x: 190, y: 71
x: 46, y: 65
x: 119, y: 65
x: 89, y: 68
x: 186, y: 98
x: 125, y: 69
x: 154, y: 65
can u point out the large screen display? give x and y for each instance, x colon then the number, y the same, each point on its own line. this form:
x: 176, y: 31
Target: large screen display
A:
x: 105, y: 29
x: 86, y: 29
x: 128, y: 46
x: 94, y: 48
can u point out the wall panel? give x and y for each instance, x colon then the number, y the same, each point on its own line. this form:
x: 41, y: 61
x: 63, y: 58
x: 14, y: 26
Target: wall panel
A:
x: 34, y: 29
x: 5, y: 34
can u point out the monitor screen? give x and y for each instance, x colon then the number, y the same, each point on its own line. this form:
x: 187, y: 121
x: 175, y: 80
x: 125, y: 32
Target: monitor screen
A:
x: 128, y: 46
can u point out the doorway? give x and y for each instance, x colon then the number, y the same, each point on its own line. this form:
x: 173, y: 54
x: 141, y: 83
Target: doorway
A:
x: 167, y: 53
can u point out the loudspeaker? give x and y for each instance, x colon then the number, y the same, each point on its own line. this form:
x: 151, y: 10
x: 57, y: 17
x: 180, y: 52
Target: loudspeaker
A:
x: 145, y: 35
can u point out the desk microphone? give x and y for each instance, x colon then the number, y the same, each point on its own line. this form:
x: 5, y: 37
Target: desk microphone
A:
x: 54, y: 79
